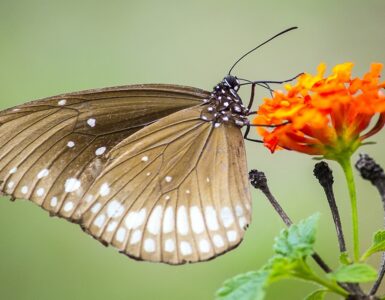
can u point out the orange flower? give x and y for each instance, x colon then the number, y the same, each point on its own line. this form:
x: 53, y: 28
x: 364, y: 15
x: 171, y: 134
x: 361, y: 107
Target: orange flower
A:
x: 326, y: 115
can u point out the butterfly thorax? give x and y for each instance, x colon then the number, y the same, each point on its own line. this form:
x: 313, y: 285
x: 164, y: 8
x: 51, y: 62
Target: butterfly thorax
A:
x: 225, y: 105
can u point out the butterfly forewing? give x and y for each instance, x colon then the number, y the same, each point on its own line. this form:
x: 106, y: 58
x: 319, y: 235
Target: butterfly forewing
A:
x: 175, y: 192
x: 51, y: 150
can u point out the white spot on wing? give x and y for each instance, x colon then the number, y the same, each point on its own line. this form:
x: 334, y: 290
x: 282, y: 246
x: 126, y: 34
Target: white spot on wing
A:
x: 204, y: 246
x: 91, y: 122
x: 62, y: 102
x: 100, y: 151
x: 53, y: 202
x: 70, y: 144
x: 239, y: 210
x: 13, y: 170
x: 149, y: 245
x: 68, y: 206
x: 135, y: 219
x: 169, y: 245
x: 112, y: 226
x: 218, y: 241
x: 168, y: 220
x: 242, y: 222
x: 121, y: 234
x: 115, y: 209
x: 185, y: 248
x: 89, y: 198
x: 104, y: 189
x: 197, y: 222
x: 182, y: 220
x: 232, y: 235
x: 11, y: 184
x: 145, y: 158
x: 43, y: 173
x: 153, y: 224
x: 168, y: 178
x: 99, y: 221
x: 40, y: 192
x: 96, y: 207
x: 24, y: 190
x: 136, y: 237
x: 211, y: 218
x: 227, y: 216
x: 71, y: 185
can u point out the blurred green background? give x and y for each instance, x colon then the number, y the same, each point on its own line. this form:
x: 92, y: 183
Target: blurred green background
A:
x: 51, y: 47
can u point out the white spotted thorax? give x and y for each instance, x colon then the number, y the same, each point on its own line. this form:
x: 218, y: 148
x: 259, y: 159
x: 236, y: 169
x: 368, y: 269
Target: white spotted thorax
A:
x: 225, y: 105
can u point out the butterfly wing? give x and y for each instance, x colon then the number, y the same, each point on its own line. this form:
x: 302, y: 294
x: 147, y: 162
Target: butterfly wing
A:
x: 52, y: 149
x: 176, y: 191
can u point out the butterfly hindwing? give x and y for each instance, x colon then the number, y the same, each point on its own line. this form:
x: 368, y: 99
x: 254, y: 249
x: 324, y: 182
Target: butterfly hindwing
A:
x: 174, y: 192
x: 51, y: 150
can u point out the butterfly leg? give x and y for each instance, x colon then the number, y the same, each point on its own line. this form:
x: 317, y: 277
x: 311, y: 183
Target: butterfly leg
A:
x: 248, y: 126
x: 268, y: 125
x: 245, y: 136
x: 251, y: 96
x: 253, y: 85
x: 264, y: 83
x: 267, y: 86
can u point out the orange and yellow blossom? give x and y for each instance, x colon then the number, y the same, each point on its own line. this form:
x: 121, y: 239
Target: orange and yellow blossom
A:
x: 325, y: 116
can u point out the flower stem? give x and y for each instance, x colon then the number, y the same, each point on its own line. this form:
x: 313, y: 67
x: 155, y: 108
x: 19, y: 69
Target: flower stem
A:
x: 348, y: 170
x: 331, y: 286
x: 373, y: 172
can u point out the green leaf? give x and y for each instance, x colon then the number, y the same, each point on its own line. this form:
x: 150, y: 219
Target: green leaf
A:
x: 280, y: 267
x: 248, y: 286
x: 292, y: 246
x: 345, y: 259
x: 317, y: 295
x: 297, y: 241
x: 377, y: 246
x: 379, y: 237
x: 354, y: 273
x: 368, y: 143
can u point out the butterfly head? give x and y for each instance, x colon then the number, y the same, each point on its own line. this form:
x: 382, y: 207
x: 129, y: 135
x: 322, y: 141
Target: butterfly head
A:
x: 225, y: 105
x: 232, y: 82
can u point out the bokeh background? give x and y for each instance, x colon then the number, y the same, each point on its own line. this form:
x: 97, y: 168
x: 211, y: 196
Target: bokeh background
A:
x: 51, y: 47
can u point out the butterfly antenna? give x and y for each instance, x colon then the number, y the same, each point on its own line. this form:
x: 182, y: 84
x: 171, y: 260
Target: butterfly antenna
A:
x: 260, y: 45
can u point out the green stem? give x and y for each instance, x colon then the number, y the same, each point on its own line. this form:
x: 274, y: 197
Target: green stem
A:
x: 348, y: 170
x: 306, y: 273
x: 331, y: 286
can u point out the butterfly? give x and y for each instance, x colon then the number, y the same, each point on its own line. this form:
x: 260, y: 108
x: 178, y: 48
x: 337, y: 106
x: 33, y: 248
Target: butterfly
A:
x: 157, y: 171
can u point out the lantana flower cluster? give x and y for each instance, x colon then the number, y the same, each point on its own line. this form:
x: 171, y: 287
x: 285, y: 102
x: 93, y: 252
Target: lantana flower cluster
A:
x: 328, y: 116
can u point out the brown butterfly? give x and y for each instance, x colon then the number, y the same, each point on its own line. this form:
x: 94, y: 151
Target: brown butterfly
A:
x: 157, y: 171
